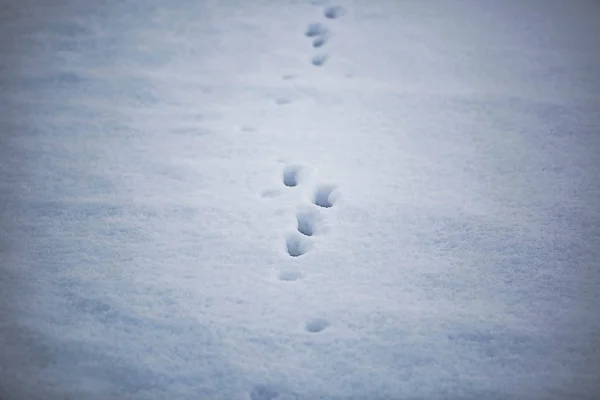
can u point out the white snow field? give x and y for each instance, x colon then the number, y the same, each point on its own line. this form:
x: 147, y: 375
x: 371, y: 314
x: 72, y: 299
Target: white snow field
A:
x: 275, y: 200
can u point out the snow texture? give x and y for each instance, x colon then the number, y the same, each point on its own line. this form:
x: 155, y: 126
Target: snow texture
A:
x: 213, y: 200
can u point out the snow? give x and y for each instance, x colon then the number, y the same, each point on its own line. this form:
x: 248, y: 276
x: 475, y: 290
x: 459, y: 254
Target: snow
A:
x: 299, y: 200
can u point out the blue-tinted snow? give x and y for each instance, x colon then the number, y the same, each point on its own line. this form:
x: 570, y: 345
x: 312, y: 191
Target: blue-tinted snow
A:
x: 192, y: 209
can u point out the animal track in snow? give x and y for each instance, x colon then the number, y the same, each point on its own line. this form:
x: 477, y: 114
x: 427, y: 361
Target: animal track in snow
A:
x: 315, y: 29
x: 323, y: 196
x: 289, y: 275
x: 319, y: 60
x: 316, y: 325
x: 319, y: 41
x: 333, y: 12
x: 296, y: 244
x: 307, y: 222
x: 290, y: 175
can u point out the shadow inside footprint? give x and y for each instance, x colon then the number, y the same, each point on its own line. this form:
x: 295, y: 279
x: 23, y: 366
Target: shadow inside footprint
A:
x: 323, y: 196
x: 316, y: 325
x: 290, y: 175
x: 319, y: 60
x: 296, y: 245
x: 307, y: 222
x: 333, y: 12
x: 315, y: 29
x: 319, y: 41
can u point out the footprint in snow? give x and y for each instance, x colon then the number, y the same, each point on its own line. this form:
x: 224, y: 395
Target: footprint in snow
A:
x: 316, y: 325
x: 290, y: 178
x: 319, y: 60
x: 319, y: 41
x: 290, y: 175
x: 333, y: 12
x: 324, y: 196
x: 315, y: 29
x: 296, y: 244
x: 307, y: 222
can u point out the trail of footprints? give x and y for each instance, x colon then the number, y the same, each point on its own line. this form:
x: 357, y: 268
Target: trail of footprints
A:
x: 309, y: 218
x: 320, y: 33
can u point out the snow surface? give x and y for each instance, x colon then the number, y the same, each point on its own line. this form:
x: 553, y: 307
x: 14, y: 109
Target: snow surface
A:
x: 258, y: 200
